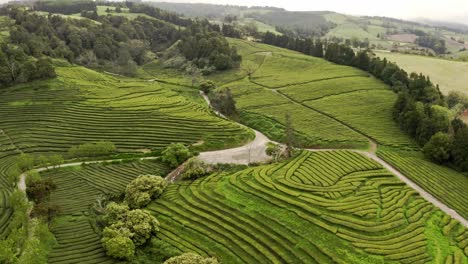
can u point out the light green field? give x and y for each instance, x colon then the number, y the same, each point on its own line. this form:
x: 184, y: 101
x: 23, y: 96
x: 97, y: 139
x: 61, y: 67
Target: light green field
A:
x: 81, y: 105
x: 450, y: 75
x: 326, y: 207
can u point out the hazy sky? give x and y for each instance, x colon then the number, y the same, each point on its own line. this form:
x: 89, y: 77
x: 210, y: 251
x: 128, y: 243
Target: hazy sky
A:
x: 454, y: 10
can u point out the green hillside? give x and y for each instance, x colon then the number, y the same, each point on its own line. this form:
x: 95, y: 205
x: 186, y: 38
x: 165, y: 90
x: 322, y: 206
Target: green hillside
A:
x: 327, y: 207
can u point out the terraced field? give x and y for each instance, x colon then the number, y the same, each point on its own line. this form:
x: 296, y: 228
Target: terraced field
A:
x: 82, y: 105
x: 78, y: 188
x: 446, y: 184
x: 321, y: 207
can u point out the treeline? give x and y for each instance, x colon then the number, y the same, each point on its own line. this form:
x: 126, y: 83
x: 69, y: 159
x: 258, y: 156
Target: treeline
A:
x: 66, y: 7
x: 116, y: 43
x: 421, y: 109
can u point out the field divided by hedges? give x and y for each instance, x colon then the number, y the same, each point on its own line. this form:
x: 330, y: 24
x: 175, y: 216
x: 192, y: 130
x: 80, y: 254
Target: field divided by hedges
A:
x: 78, y: 188
x: 324, y: 207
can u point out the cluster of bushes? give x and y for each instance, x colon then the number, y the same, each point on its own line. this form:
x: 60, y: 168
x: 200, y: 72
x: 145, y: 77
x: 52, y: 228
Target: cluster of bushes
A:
x: 67, y: 7
x: 207, y: 48
x: 17, y: 67
x: 26, y: 162
x: 221, y: 100
x: 432, y: 42
x: 38, y: 190
x: 176, y: 154
x: 35, y: 246
x: 103, y: 148
x: 128, y: 227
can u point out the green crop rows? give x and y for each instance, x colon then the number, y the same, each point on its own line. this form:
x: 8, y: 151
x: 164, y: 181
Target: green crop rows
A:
x: 369, y: 112
x: 324, y: 207
x: 78, y: 188
x: 445, y: 184
x: 81, y: 105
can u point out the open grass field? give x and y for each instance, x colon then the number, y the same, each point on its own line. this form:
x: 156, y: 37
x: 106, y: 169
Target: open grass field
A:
x: 324, y: 207
x: 450, y: 75
x: 78, y: 188
x: 81, y: 105
x: 446, y: 184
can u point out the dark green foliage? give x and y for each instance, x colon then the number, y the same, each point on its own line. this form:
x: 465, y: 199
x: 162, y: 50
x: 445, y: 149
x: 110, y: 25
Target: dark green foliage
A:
x: 97, y: 149
x: 65, y: 6
x: 39, y: 190
x: 438, y: 148
x: 207, y: 86
x: 223, y: 101
x: 156, y: 251
x: 207, y: 48
x: 460, y: 148
x: 17, y: 67
x: 432, y: 42
x: 175, y: 154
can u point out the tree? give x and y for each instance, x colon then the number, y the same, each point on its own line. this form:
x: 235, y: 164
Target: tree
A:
x: 120, y: 247
x: 175, y: 154
x: 126, y: 228
x: 194, y: 168
x: 191, y: 258
x: 143, y: 189
x: 56, y: 160
x: 207, y: 86
x: 25, y: 162
x: 438, y: 148
x: 224, y: 102
x: 460, y: 148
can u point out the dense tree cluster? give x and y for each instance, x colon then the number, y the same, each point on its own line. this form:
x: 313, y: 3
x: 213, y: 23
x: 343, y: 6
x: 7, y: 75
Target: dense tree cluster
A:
x: 205, y: 48
x: 115, y: 39
x: 223, y: 101
x: 17, y: 67
x: 307, y: 46
x: 126, y: 230
x: 432, y: 42
x: 65, y: 6
x: 175, y: 154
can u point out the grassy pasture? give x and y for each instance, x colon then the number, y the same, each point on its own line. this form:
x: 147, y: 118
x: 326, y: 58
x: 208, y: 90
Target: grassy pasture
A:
x: 77, y: 190
x: 443, y: 183
x: 450, y: 75
x: 326, y: 207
